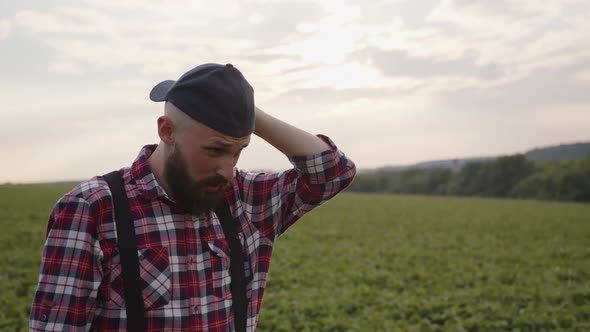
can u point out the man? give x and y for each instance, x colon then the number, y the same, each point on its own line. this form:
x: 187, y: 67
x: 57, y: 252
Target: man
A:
x: 173, y: 189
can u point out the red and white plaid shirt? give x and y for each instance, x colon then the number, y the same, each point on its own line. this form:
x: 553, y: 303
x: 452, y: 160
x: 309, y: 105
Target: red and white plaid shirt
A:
x: 184, y: 259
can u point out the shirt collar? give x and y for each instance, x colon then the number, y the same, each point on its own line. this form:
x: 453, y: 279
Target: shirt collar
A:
x: 143, y: 176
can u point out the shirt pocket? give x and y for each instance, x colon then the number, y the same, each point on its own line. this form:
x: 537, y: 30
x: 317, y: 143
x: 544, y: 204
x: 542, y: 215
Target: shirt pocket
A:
x: 154, y: 274
x: 217, y: 264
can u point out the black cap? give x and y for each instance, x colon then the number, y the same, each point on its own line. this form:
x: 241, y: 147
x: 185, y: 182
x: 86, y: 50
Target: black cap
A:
x: 215, y: 95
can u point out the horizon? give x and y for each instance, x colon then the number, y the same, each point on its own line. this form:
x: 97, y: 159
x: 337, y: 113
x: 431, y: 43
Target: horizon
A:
x: 360, y: 170
x: 394, y: 82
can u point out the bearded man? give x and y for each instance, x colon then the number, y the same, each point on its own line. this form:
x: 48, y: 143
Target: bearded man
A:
x: 174, y: 191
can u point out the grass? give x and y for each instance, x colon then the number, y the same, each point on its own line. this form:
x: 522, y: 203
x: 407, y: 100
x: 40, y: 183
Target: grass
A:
x: 403, y: 263
x: 23, y: 218
x: 379, y: 263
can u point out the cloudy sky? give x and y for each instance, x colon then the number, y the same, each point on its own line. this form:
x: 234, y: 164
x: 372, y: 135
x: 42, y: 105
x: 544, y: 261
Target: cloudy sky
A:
x: 391, y: 82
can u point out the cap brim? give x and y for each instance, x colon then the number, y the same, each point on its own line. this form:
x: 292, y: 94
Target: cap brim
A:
x: 160, y: 91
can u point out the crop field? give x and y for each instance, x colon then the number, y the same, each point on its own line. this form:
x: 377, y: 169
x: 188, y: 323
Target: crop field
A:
x: 379, y: 263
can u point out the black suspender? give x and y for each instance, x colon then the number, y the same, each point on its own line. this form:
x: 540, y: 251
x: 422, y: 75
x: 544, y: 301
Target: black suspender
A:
x: 238, y: 278
x: 132, y: 284
x: 130, y: 266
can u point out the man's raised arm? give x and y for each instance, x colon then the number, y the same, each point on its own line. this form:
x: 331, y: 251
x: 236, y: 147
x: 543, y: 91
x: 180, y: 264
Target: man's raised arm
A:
x: 288, y: 139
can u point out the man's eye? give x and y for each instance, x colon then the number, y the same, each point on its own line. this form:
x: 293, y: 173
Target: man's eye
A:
x: 215, y: 151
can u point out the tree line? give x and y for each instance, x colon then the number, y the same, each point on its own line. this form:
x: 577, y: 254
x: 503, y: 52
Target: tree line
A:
x: 506, y: 176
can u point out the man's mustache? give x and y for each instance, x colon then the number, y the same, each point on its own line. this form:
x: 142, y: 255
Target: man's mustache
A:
x: 215, y: 181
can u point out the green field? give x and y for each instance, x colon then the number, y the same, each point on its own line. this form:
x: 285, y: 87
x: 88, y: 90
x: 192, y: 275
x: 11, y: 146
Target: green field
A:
x: 380, y: 263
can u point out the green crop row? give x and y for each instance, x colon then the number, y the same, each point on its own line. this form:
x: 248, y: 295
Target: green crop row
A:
x: 380, y: 263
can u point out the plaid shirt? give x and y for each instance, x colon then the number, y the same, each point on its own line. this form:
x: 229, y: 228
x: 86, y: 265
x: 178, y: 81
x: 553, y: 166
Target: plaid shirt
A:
x: 184, y: 259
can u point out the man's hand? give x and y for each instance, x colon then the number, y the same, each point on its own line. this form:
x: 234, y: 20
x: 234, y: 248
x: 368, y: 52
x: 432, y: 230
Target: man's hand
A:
x: 288, y: 139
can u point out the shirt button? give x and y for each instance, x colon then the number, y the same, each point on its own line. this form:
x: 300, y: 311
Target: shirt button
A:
x: 44, y: 318
x: 195, y: 310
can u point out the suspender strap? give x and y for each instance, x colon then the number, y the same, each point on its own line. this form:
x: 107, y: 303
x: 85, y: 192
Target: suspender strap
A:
x: 238, y: 279
x: 128, y: 252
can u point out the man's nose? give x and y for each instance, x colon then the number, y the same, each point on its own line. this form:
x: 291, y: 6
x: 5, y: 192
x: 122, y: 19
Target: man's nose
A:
x: 226, y: 169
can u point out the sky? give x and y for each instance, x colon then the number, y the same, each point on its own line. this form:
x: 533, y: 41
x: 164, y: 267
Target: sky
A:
x: 391, y: 82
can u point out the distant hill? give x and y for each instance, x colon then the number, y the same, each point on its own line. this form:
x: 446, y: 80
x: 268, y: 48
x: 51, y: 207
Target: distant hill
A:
x: 444, y: 163
x: 560, y: 152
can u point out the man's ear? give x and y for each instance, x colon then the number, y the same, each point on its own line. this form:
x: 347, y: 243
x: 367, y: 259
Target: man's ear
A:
x: 166, y: 129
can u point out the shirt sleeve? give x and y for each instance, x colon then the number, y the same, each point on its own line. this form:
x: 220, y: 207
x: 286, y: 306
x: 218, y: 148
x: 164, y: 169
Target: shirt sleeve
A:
x: 65, y: 299
x: 274, y: 201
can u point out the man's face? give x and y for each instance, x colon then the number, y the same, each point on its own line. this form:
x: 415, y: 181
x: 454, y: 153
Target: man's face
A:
x: 200, y: 166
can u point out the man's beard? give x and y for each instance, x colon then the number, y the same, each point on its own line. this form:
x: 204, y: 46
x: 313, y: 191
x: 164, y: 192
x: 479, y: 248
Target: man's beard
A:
x: 190, y: 195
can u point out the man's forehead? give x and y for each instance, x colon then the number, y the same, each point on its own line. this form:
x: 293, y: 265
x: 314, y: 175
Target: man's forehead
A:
x: 228, y: 141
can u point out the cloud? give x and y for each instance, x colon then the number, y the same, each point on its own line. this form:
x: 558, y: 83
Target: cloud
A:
x: 543, y: 88
x: 159, y: 39
x: 582, y: 76
x: 5, y: 28
x: 399, y: 63
x: 476, y: 44
x: 316, y: 43
x: 171, y: 25
x: 522, y: 36
x: 411, y: 80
